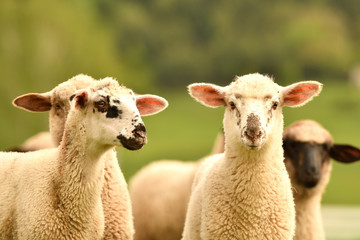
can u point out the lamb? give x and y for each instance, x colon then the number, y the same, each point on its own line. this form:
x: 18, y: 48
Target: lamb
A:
x: 52, y: 203
x: 308, y: 149
x: 115, y: 196
x: 166, y: 208
x: 159, y: 195
x: 245, y: 193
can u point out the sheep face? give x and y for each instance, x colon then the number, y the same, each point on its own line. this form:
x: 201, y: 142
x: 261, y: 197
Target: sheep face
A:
x: 251, y: 111
x: 253, y: 106
x: 113, y: 113
x: 310, y: 161
x: 112, y: 117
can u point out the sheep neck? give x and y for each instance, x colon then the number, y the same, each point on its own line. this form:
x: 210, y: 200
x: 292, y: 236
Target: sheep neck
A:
x: 80, y: 171
x: 257, y: 180
x: 308, y: 218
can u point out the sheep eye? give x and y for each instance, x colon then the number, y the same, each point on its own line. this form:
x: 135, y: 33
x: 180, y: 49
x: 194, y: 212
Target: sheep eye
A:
x: 57, y: 106
x: 232, y: 105
x: 101, y: 103
x: 275, y: 105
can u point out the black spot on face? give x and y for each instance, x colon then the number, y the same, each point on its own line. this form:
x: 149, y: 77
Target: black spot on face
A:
x: 117, y: 101
x: 72, y: 97
x: 113, y: 112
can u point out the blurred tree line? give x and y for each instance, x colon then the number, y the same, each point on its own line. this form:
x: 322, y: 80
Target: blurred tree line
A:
x: 204, y: 40
x: 171, y: 43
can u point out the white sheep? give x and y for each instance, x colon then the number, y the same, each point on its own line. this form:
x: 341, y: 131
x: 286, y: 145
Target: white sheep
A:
x: 308, y: 149
x: 245, y: 193
x: 56, y: 193
x: 115, y: 196
x: 160, y: 194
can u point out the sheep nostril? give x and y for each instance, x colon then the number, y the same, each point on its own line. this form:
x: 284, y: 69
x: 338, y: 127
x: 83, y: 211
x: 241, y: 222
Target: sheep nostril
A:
x: 140, y: 131
x: 311, y: 171
x: 253, y: 133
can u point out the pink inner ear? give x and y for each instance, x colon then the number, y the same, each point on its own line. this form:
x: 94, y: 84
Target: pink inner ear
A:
x: 34, y: 102
x: 300, y: 94
x: 149, y: 105
x: 208, y: 95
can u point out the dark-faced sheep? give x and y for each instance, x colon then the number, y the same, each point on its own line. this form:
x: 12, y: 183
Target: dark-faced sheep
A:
x: 308, y: 150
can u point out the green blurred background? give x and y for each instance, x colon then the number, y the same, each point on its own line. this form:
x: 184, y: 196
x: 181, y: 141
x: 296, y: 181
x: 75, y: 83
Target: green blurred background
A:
x: 161, y: 46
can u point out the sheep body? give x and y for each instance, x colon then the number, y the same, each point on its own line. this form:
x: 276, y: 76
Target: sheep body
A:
x: 115, y: 196
x: 308, y: 202
x: 31, y: 179
x: 67, y: 182
x: 56, y: 191
x: 314, y: 159
x: 245, y: 193
x: 160, y: 193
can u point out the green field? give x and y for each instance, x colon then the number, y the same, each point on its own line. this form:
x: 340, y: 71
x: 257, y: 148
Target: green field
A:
x: 186, y: 131
x: 341, y: 222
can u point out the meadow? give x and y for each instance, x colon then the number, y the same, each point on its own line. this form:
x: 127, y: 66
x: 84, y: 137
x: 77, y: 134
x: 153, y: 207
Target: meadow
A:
x: 186, y: 131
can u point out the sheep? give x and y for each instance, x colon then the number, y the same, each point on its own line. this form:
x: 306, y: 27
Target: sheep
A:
x: 115, y: 196
x: 39, y: 141
x: 166, y: 208
x: 245, y: 193
x: 308, y: 148
x: 56, y: 193
x: 159, y: 195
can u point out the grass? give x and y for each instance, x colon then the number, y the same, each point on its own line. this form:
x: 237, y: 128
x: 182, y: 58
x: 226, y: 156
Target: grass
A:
x: 341, y: 222
x: 186, y: 131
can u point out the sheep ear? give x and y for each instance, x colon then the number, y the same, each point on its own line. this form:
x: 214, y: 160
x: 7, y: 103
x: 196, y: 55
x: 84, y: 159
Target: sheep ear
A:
x: 344, y: 153
x: 81, y: 99
x: 150, y: 104
x: 300, y: 93
x: 208, y: 94
x: 34, y: 102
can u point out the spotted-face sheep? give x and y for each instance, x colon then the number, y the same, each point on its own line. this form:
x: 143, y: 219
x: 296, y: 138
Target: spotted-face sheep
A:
x: 56, y: 194
x: 308, y: 150
x: 160, y: 194
x: 115, y: 196
x: 245, y: 193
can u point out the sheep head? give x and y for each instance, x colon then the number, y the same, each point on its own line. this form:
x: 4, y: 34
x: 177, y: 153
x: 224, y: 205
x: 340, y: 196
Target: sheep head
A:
x: 308, y: 149
x: 253, y: 106
x: 57, y: 101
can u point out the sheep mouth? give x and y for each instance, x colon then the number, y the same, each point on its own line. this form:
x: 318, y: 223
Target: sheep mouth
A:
x: 136, y: 141
x: 310, y: 184
x: 309, y: 181
x: 252, y: 145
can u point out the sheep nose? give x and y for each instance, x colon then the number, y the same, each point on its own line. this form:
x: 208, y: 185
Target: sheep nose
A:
x: 310, y: 171
x: 253, y: 130
x: 140, y: 131
x: 253, y: 133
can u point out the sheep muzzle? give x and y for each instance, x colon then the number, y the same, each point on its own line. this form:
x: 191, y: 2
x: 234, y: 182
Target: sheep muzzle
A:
x: 137, y: 140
